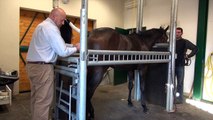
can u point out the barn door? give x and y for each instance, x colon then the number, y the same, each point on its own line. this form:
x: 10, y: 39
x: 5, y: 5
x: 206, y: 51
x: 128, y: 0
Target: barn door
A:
x: 28, y: 21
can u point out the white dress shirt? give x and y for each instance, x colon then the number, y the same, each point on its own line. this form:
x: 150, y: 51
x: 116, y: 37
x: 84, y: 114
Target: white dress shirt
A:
x: 47, y: 43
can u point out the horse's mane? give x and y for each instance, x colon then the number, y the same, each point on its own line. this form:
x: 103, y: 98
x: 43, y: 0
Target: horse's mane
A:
x: 66, y: 32
x: 152, y: 33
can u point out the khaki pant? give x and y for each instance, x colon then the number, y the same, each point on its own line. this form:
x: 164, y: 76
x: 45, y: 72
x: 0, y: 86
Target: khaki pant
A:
x: 42, y: 82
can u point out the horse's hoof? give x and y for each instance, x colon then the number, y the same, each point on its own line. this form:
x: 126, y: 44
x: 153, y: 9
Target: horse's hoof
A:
x: 90, y: 118
x: 145, y: 109
x: 130, y: 104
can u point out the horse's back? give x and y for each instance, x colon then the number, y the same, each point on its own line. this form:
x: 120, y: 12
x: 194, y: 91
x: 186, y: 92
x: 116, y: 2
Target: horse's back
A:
x: 108, y: 39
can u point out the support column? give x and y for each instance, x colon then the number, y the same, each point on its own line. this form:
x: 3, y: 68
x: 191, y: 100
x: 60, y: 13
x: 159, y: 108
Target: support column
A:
x: 81, y: 104
x: 172, y: 47
x: 137, y: 94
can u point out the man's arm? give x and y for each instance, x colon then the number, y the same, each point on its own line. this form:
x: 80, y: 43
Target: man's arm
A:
x: 192, y: 47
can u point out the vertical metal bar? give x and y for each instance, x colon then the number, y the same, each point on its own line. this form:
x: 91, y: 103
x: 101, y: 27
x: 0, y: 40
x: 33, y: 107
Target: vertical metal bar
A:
x: 137, y: 93
x: 55, y: 102
x: 70, y: 102
x: 171, y: 67
x: 139, y: 16
x: 55, y: 3
x: 81, y: 104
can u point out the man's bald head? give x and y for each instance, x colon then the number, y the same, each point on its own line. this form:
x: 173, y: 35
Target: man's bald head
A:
x: 58, y: 16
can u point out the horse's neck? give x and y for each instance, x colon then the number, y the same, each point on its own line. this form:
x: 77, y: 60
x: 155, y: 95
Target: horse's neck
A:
x: 149, y: 43
x: 146, y: 43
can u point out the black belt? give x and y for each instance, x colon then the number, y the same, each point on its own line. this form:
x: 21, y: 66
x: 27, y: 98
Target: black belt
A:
x: 39, y: 62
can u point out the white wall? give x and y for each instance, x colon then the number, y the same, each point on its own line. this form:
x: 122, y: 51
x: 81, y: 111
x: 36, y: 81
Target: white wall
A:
x: 107, y: 13
x: 207, y: 88
x: 187, y: 19
x: 9, y: 36
x: 157, y: 13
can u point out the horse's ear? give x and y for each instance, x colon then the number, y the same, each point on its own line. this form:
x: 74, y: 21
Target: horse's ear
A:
x: 167, y: 28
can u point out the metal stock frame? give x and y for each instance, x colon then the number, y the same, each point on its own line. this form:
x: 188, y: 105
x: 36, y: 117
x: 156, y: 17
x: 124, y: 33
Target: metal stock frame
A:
x: 78, y: 68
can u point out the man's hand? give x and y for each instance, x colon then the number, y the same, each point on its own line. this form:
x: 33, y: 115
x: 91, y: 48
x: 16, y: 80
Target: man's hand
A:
x: 77, y: 46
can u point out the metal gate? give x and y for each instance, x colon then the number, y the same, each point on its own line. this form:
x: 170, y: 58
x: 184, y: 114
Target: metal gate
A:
x: 69, y: 66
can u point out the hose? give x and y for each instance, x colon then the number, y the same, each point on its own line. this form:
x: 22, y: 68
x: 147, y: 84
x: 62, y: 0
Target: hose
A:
x: 208, y: 78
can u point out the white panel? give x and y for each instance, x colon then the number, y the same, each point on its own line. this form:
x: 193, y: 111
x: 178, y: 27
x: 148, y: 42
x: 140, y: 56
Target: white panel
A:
x: 208, y: 81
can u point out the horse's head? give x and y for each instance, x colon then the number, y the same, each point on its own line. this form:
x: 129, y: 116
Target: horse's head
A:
x: 66, y: 31
x: 154, y: 35
x: 160, y: 35
x: 164, y: 36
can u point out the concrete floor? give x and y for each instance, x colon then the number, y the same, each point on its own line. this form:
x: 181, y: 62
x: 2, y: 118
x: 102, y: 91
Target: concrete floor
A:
x: 110, y: 104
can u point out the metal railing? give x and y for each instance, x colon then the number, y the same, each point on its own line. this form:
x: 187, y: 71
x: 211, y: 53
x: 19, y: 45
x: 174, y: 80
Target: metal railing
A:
x: 108, y: 57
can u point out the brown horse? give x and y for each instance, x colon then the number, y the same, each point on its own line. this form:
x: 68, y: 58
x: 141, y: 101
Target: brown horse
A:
x: 109, y: 39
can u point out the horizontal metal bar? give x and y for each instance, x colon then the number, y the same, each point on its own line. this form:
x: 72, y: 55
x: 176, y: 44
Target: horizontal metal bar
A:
x: 125, y: 52
x: 67, y: 73
x: 117, y: 57
x: 96, y: 63
x: 70, y: 69
x: 108, y: 57
x: 65, y: 102
x: 63, y: 108
x: 70, y: 59
x: 66, y: 92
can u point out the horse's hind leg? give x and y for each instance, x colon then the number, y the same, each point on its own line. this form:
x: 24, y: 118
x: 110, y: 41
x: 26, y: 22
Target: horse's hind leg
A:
x: 143, y: 73
x: 143, y: 101
x: 130, y: 86
x: 94, y: 78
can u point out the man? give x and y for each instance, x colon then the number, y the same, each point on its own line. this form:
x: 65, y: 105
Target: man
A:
x: 45, y: 46
x: 182, y: 45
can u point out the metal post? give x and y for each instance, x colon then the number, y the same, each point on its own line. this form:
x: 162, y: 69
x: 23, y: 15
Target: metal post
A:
x: 55, y: 3
x: 171, y: 67
x: 81, y: 104
x: 137, y: 94
x: 139, y: 16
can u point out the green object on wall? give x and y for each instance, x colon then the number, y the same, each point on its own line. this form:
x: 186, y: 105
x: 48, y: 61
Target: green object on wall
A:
x: 201, y: 43
x: 24, y: 48
x: 122, y: 31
